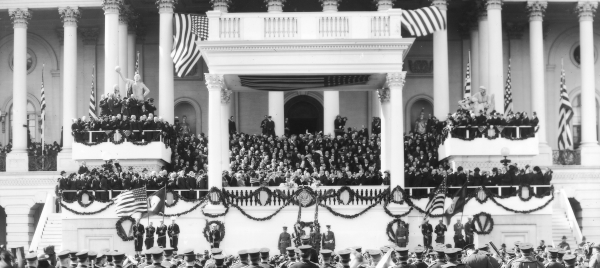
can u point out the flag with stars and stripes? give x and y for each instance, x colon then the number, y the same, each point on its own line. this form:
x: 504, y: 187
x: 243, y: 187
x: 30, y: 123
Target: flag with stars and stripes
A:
x: 508, y: 102
x: 43, y: 110
x: 137, y: 63
x: 468, y: 78
x: 565, y: 137
x: 437, y: 202
x: 189, y: 28
x: 295, y: 82
x: 423, y: 21
x: 92, y: 108
x: 130, y: 202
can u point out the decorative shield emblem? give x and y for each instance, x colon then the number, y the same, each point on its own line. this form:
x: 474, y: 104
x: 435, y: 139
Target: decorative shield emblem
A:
x: 85, y: 198
x: 481, y: 195
x: 491, y: 132
x: 127, y: 133
x: 397, y: 195
x: 344, y: 197
x: 264, y: 197
x: 304, y: 198
x: 117, y: 136
x: 214, y: 197
x: 525, y: 192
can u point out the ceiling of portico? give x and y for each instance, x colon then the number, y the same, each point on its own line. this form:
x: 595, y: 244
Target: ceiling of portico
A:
x: 376, y: 81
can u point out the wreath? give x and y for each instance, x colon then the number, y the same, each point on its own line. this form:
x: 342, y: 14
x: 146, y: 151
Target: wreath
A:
x: 175, y: 198
x: 520, y: 192
x: 215, y: 196
x: 120, y: 231
x: 398, y: 193
x: 220, y: 227
x: 486, y: 227
x: 351, y: 195
x: 111, y: 137
x: 389, y: 230
x: 256, y: 194
x: 80, y: 197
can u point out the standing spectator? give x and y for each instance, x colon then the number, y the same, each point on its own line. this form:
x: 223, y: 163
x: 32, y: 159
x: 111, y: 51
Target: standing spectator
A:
x: 232, y: 128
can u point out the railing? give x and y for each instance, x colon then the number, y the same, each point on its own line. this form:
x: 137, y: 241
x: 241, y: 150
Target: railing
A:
x: 573, y: 224
x: 2, y: 161
x: 502, y: 132
x: 42, y: 162
x: 39, y: 229
x: 499, y: 190
x: 115, y: 193
x: 102, y: 136
x: 566, y: 157
x: 303, y: 25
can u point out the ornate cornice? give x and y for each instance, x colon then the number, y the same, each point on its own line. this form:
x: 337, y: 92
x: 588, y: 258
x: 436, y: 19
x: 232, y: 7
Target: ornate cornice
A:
x: 536, y: 10
x: 166, y: 5
x: 481, y: 10
x: 586, y: 10
x: 226, y: 96
x: 20, y: 17
x: 395, y: 79
x: 60, y: 33
x: 441, y: 4
x: 493, y: 4
x: 69, y: 15
x: 124, y: 14
x: 514, y: 30
x: 261, y: 47
x: 89, y: 35
x: 214, y: 82
x: 111, y: 6
x: 383, y: 94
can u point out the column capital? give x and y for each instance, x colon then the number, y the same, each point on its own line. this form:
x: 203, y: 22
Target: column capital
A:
x: 586, y: 10
x: 214, y: 82
x: 493, y: 4
x: 20, y: 17
x: 69, y: 15
x: 384, y: 95
x: 111, y: 6
x: 441, y: 4
x: 124, y: 14
x: 536, y: 10
x: 89, y: 35
x: 166, y: 6
x: 481, y: 10
x: 225, y: 95
x: 394, y: 80
x: 514, y: 30
x: 60, y: 33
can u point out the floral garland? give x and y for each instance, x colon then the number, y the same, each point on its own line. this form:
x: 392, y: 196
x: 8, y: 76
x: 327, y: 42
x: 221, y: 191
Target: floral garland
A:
x: 390, y: 231
x: 349, y: 216
x: 387, y: 211
x: 486, y: 227
x: 80, y: 198
x: 207, y: 229
x: 210, y: 215
x: 254, y: 218
x: 86, y: 213
x: 185, y: 212
x: 523, y: 211
x: 140, y: 143
x: 351, y: 195
x: 120, y: 231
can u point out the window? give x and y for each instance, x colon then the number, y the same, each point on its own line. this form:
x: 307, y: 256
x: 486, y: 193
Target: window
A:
x: 576, y: 121
x: 31, y: 122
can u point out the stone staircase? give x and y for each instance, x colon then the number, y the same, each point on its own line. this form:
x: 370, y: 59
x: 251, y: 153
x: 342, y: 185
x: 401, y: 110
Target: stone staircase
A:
x: 560, y: 227
x: 52, y: 234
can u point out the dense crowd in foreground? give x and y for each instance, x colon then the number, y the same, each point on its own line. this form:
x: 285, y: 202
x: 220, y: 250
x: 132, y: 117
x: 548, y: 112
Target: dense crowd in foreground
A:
x: 484, y: 256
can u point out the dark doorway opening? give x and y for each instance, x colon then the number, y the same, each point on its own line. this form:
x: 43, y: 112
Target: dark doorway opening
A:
x: 304, y: 113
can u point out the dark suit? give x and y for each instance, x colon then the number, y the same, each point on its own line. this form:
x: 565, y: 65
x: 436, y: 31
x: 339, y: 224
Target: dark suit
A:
x: 427, y: 230
x: 150, y: 237
x: 161, y: 232
x: 138, y: 234
x: 173, y: 231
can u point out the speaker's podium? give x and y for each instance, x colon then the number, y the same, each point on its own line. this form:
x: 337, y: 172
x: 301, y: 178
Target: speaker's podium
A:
x: 147, y: 151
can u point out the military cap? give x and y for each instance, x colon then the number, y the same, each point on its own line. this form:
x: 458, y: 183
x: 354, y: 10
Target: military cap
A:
x: 402, y: 251
x: 92, y: 255
x: 216, y: 251
x: 483, y: 247
x: 219, y: 259
x: 553, y: 252
x: 73, y: 255
x: 511, y: 252
x: 264, y: 253
x: 43, y: 257
x: 525, y: 246
x: 304, y: 247
x: 118, y: 256
x: 374, y: 252
x: 100, y: 255
x: 596, y: 246
x: 440, y: 251
x: 243, y: 254
x: 344, y: 255
x: 155, y: 251
x: 168, y: 251
x: 517, y: 243
x: 63, y: 254
x: 357, y: 248
x: 469, y: 246
x: 291, y: 251
x: 254, y: 253
x: 326, y: 253
x: 82, y: 255
x: 419, y: 251
x: 561, y: 253
x: 31, y: 256
x: 569, y: 259
x: 451, y: 252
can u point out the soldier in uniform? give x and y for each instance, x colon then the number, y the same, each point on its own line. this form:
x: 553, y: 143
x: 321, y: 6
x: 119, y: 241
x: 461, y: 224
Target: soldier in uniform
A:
x: 31, y: 259
x: 254, y: 255
x: 173, y: 231
x: 73, y: 258
x: 452, y: 259
x: 82, y: 259
x: 527, y: 260
x: 100, y: 260
x: 148, y: 259
x: 426, y: 230
x: 284, y: 241
x: 553, y: 263
x: 402, y: 234
x: 329, y: 239
x: 440, y: 257
x: 314, y: 257
x: 403, y: 258
x: 63, y: 259
x: 469, y: 231
x: 510, y: 257
x: 595, y: 256
x: 344, y: 258
x: 118, y: 258
x: 150, y: 230
x: 291, y: 254
x: 190, y: 259
x: 375, y: 257
x: 243, y: 255
x: 326, y: 256
x: 264, y: 258
x: 440, y: 230
x: 569, y: 261
x: 92, y: 258
x: 561, y: 254
x: 306, y: 257
x: 157, y: 257
x: 138, y: 236
x: 459, y: 241
x: 419, y: 261
x: 161, y: 232
x: 219, y: 259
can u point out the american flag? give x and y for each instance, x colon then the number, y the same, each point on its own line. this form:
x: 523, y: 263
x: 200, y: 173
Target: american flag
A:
x: 468, y: 78
x: 137, y: 63
x: 43, y: 109
x: 130, y: 202
x: 565, y: 137
x: 508, y: 102
x: 423, y: 21
x: 437, y: 202
x: 294, y: 82
x: 92, y: 109
x: 189, y: 28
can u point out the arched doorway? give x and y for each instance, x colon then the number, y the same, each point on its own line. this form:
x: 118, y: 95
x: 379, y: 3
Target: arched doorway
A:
x: 32, y: 122
x: 185, y: 108
x: 304, y: 112
x: 420, y: 105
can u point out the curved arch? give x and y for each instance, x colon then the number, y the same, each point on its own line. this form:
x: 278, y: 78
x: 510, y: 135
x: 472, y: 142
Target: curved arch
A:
x: 8, y: 104
x: 315, y: 95
x: 313, y: 123
x: 33, y: 39
x: 197, y: 108
x: 408, y: 106
x: 577, y: 92
x: 568, y: 35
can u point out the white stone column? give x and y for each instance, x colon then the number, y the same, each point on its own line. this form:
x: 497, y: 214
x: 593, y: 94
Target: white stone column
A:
x: 166, y: 94
x: 483, y: 49
x: 475, y: 67
x: 214, y: 84
x: 536, y: 55
x: 331, y: 109
x: 111, y: 44
x: 226, y: 103
x: 131, y: 54
x: 386, y: 136
x: 70, y: 16
x: 395, y: 83
x: 441, y: 90
x: 496, y: 60
x: 590, y: 151
x: 123, y: 48
x: 276, y: 110
x: 17, y: 159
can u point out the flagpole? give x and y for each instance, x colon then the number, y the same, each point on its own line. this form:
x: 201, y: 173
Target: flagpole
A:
x: 43, y: 117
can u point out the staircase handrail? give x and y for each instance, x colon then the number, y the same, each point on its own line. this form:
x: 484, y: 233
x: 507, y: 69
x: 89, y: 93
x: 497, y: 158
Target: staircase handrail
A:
x: 39, y: 229
x: 573, y: 224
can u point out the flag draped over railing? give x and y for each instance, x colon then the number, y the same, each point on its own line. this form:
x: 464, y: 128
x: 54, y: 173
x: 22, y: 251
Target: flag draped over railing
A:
x: 423, y: 21
x: 565, y: 137
x: 189, y: 28
x: 467, y: 92
x: 43, y: 110
x: 92, y: 108
x: 508, y: 102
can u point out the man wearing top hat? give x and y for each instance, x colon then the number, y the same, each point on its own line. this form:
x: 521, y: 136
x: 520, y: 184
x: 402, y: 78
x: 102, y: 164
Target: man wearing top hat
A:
x: 306, y: 252
x: 527, y: 260
x: 329, y: 239
x: 161, y: 232
x: 284, y: 241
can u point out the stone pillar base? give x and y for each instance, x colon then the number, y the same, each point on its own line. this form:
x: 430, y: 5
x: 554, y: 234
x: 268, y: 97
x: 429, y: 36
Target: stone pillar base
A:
x: 17, y: 162
x: 64, y: 161
x: 590, y: 153
x: 544, y: 158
